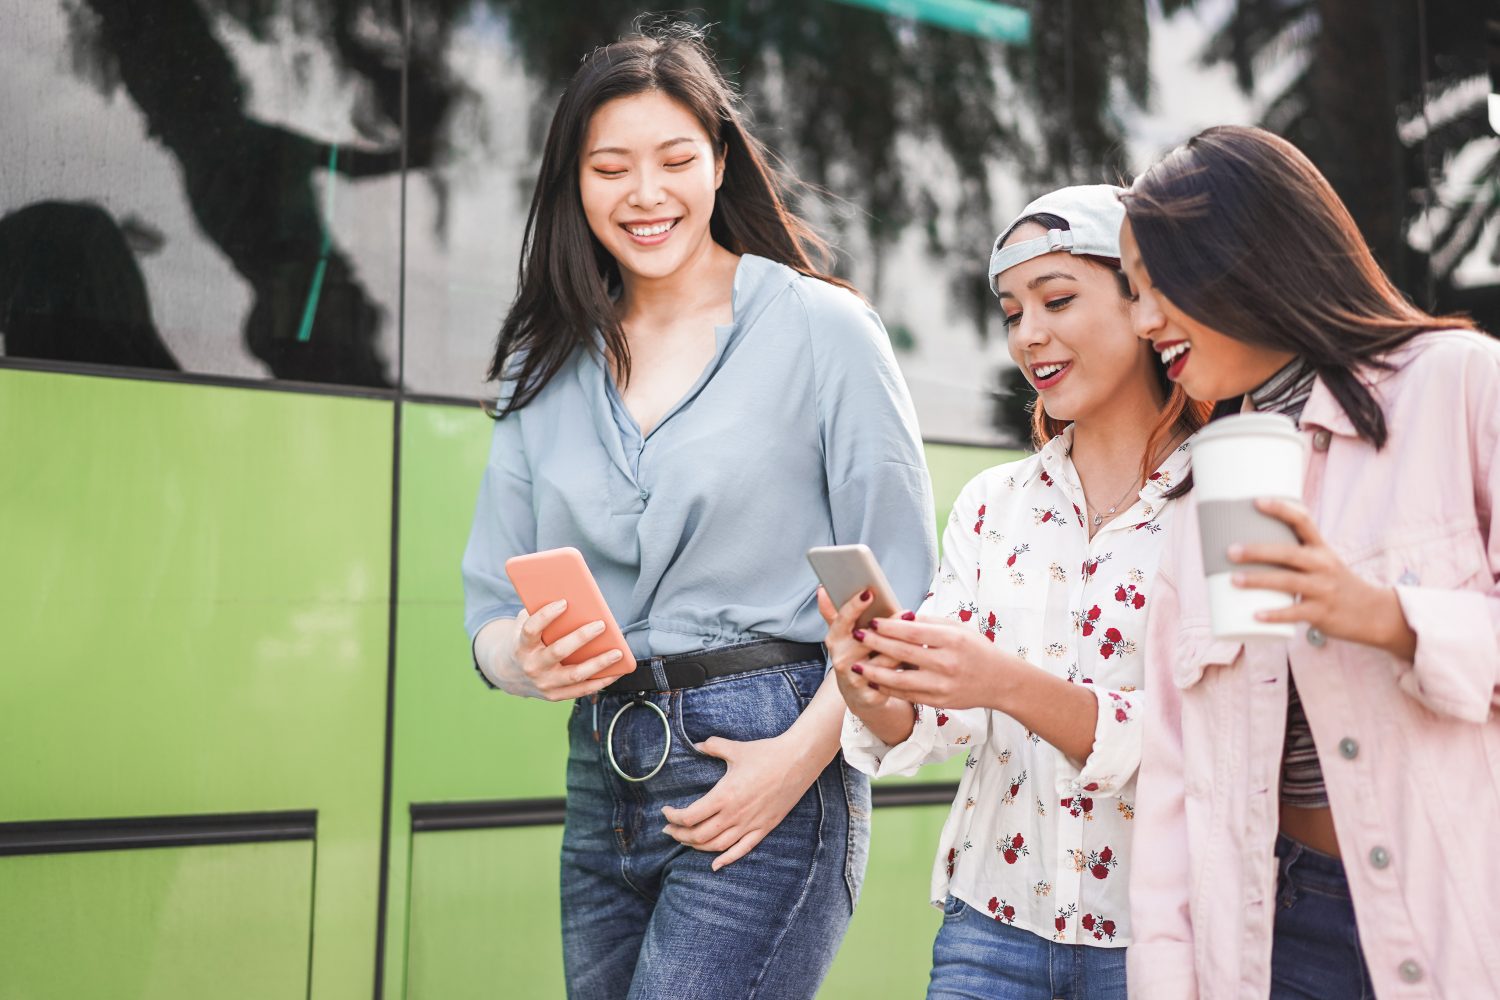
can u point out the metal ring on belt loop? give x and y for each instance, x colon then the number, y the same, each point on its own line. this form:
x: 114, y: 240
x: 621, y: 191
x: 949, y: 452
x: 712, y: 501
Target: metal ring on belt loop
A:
x: 609, y: 740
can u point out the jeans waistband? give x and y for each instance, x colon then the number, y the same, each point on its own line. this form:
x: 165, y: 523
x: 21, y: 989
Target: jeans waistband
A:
x: 696, y: 668
x: 1309, y: 867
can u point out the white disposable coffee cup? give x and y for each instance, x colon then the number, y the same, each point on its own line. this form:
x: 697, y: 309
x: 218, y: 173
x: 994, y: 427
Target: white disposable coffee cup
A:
x: 1237, y: 460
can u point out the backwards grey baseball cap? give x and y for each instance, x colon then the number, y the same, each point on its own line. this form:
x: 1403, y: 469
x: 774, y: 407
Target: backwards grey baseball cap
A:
x: 1094, y: 214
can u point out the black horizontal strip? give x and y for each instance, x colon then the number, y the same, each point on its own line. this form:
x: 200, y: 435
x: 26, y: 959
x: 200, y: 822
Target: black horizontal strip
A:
x: 916, y: 793
x: 486, y: 814
x: 438, y: 399
x: 499, y: 814
x: 138, y: 832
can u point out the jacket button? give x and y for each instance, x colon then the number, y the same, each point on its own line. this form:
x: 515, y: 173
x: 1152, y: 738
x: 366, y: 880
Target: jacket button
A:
x: 645, y: 495
x: 1348, y: 748
x: 1380, y: 857
x: 1410, y: 971
x: 1316, y: 637
x: 1320, y: 440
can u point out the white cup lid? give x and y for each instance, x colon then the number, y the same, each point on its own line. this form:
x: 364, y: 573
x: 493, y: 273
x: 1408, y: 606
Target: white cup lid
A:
x: 1248, y: 424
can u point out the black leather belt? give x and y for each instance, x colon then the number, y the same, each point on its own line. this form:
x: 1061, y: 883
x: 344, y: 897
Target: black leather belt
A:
x: 690, y: 670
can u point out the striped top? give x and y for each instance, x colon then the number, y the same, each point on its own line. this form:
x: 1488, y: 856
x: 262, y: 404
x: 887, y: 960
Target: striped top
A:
x: 1286, y: 393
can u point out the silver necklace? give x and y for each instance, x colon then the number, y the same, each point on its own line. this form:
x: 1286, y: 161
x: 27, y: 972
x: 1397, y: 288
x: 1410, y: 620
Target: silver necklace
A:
x: 1098, y: 517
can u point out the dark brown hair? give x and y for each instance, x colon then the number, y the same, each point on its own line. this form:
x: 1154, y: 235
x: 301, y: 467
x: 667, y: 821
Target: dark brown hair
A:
x: 1180, y: 414
x: 566, y: 276
x: 1243, y: 234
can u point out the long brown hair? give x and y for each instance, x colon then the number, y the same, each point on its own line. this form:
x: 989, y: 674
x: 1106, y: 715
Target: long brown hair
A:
x: 1180, y: 414
x: 1243, y: 234
x: 566, y: 276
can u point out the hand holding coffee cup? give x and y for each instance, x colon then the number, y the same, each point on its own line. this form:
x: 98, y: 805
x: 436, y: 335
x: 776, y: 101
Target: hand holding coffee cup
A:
x: 1237, y: 460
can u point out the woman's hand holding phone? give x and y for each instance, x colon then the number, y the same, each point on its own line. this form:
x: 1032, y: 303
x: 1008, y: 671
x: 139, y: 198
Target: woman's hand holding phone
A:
x: 890, y: 718
x: 529, y: 668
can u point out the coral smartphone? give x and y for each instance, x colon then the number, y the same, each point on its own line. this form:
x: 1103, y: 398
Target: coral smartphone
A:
x: 846, y: 570
x: 561, y: 574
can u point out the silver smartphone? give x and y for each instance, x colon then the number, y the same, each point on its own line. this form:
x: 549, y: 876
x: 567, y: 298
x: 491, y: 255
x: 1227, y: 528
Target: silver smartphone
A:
x: 847, y: 570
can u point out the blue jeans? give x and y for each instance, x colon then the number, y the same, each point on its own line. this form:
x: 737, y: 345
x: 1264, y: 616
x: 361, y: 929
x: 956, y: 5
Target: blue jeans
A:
x: 643, y: 916
x: 1315, y: 953
x: 976, y: 957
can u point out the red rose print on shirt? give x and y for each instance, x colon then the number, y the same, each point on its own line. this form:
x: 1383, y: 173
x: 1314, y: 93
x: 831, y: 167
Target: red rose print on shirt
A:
x: 1079, y: 805
x: 966, y: 611
x: 1083, y: 621
x: 942, y: 717
x: 1012, y: 847
x: 1003, y: 911
x: 1131, y: 596
x: 979, y: 523
x: 1061, y: 921
x: 1091, y: 566
x: 1046, y: 479
x: 1075, y: 675
x: 989, y: 626
x: 1045, y: 515
x: 952, y: 860
x: 1099, y: 926
x: 1102, y: 862
x: 1121, y: 706
x: 1018, y: 550
x: 1015, y: 787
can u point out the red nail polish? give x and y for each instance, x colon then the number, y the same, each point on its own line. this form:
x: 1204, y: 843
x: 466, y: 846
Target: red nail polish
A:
x: 858, y: 634
x: 908, y: 616
x: 857, y: 669
x: 874, y: 686
x: 874, y: 627
x: 864, y: 596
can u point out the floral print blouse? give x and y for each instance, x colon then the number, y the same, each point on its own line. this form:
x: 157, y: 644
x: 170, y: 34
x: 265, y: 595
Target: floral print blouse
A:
x: 1033, y: 840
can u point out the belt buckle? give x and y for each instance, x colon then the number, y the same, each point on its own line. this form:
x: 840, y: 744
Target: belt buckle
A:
x: 609, y: 739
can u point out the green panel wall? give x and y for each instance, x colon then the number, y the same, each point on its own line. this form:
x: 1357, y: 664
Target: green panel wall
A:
x: 888, y: 950
x: 454, y: 738
x: 195, y: 606
x: 485, y: 915
x: 227, y: 922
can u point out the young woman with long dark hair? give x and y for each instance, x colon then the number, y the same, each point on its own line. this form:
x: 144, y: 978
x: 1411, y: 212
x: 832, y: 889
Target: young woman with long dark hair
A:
x: 692, y: 403
x: 1027, y: 653
x: 1320, y: 811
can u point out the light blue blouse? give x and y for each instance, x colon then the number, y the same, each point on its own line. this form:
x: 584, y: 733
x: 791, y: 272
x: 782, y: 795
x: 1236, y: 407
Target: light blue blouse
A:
x: 799, y: 432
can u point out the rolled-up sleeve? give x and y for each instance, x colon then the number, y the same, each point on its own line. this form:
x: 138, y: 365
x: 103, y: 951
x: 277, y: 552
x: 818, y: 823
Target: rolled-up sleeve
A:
x: 879, y: 491
x: 504, y: 525
x: 1456, y: 668
x: 936, y: 735
x: 1116, y: 754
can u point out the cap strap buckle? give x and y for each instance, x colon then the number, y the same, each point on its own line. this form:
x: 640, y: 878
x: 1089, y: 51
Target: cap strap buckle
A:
x: 1005, y: 258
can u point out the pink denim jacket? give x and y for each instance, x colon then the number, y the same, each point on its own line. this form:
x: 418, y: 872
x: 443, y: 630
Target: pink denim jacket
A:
x: 1410, y: 751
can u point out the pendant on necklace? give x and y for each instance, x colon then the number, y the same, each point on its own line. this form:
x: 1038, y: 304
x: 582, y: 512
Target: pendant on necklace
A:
x: 1098, y: 520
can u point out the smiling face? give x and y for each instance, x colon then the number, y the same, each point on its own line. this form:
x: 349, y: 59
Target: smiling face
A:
x: 1209, y: 365
x: 1068, y: 328
x: 647, y: 178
